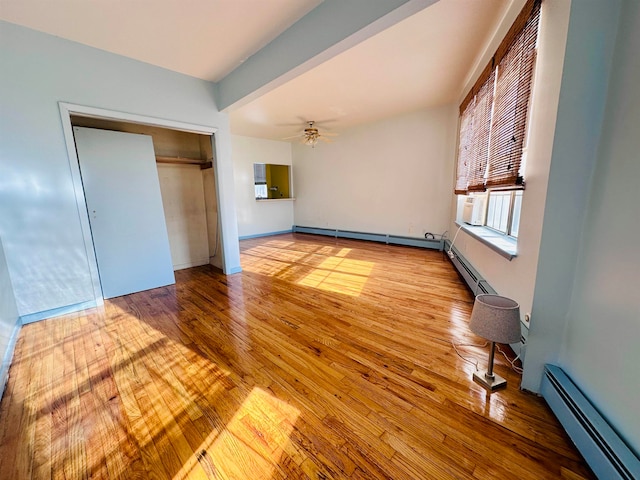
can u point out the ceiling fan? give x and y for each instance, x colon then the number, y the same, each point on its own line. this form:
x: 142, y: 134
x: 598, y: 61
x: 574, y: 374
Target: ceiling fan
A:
x: 310, y: 135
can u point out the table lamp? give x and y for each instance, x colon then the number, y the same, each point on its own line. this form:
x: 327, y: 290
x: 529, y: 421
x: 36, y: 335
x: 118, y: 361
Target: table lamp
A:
x: 497, y: 319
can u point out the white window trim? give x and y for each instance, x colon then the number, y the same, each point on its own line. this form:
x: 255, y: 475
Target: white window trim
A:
x: 504, y: 245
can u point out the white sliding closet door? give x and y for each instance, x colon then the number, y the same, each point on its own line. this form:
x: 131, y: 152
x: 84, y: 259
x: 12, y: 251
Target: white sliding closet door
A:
x: 123, y: 198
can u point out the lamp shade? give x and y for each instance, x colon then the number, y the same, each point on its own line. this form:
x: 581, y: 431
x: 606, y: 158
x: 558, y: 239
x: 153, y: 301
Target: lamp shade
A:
x: 496, y: 318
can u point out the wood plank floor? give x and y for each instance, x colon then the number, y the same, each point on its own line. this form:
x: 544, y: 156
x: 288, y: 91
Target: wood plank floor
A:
x: 324, y: 359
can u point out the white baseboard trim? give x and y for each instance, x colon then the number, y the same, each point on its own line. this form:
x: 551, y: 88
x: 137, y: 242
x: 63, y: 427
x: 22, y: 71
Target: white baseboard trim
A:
x: 197, y: 263
x: 56, y: 312
x: 266, y: 234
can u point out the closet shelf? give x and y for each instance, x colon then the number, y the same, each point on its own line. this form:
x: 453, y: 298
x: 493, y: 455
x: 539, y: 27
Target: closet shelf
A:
x: 203, y: 164
x: 180, y: 160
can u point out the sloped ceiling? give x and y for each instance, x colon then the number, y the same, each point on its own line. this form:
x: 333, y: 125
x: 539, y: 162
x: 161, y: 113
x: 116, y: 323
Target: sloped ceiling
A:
x: 418, y: 63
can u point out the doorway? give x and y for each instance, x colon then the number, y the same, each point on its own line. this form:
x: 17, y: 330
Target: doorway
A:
x: 178, y: 163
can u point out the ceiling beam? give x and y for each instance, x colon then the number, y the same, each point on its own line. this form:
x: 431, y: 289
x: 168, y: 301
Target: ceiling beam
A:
x: 329, y: 29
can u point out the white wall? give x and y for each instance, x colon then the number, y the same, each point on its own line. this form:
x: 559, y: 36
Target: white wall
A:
x: 391, y: 177
x: 263, y: 216
x: 183, y: 201
x: 600, y: 347
x: 516, y: 278
x: 39, y: 217
x: 589, y: 51
x: 9, y: 319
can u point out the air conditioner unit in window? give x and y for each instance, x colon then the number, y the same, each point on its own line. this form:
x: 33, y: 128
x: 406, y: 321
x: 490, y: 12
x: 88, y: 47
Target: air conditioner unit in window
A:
x: 473, y: 210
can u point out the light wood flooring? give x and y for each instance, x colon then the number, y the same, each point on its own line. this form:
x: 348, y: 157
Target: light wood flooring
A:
x: 323, y: 359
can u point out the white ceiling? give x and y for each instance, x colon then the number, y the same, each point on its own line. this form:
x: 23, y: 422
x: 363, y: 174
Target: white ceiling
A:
x: 203, y: 38
x: 420, y: 62
x: 417, y: 63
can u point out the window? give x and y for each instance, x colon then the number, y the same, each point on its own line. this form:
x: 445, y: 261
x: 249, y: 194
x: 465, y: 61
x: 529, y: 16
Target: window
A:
x: 271, y: 181
x: 515, y: 215
x: 503, y: 212
x: 492, y: 137
x: 260, y: 180
x: 498, y: 211
x: 261, y: 191
x: 493, y: 116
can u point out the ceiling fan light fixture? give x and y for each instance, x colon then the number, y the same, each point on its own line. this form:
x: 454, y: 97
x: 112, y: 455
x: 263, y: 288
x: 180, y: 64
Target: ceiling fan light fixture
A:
x: 311, y: 135
x: 311, y: 140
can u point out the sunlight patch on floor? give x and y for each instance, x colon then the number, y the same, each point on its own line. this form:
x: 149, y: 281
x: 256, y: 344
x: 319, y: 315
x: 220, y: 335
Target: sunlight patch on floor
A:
x: 331, y: 251
x: 251, y: 444
x: 264, y: 266
x: 340, y: 275
x: 285, y: 255
x: 161, y: 407
x: 270, y: 261
x: 278, y: 244
x: 264, y: 252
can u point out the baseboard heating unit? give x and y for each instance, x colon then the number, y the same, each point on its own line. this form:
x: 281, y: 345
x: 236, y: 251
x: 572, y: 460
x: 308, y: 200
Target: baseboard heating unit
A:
x: 470, y: 275
x: 479, y: 285
x: 373, y: 237
x: 603, y: 449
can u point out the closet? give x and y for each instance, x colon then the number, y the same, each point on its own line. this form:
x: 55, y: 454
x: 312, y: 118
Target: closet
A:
x: 184, y: 163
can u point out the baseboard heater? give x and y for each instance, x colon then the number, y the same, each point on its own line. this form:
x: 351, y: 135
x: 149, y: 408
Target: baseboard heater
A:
x: 470, y: 275
x: 479, y: 285
x: 373, y: 237
x: 603, y: 449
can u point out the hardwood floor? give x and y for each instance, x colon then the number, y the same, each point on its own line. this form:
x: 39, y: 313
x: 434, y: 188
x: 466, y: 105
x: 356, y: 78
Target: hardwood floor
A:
x: 324, y: 359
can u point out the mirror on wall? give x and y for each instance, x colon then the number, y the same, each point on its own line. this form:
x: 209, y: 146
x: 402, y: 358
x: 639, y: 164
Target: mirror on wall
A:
x: 271, y: 182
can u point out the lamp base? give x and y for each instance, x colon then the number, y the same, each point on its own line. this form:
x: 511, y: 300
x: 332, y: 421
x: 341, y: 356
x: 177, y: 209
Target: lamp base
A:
x: 489, y: 383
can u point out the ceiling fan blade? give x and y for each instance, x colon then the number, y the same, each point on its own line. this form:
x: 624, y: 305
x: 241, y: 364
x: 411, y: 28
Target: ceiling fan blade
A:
x: 302, y: 122
x: 328, y: 120
x: 310, y: 131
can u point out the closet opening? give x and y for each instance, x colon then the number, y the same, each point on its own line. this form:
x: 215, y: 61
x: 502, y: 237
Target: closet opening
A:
x: 184, y: 161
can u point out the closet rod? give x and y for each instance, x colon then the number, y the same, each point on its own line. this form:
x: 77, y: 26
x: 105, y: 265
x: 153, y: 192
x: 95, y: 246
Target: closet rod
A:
x: 179, y: 160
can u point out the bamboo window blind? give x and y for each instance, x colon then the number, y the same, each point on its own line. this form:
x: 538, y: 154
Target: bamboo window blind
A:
x: 493, y: 115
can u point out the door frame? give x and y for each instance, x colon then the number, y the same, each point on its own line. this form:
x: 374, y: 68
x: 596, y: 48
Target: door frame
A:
x: 68, y: 109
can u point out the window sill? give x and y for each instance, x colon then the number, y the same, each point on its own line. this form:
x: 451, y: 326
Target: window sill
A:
x: 290, y: 199
x: 499, y: 243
